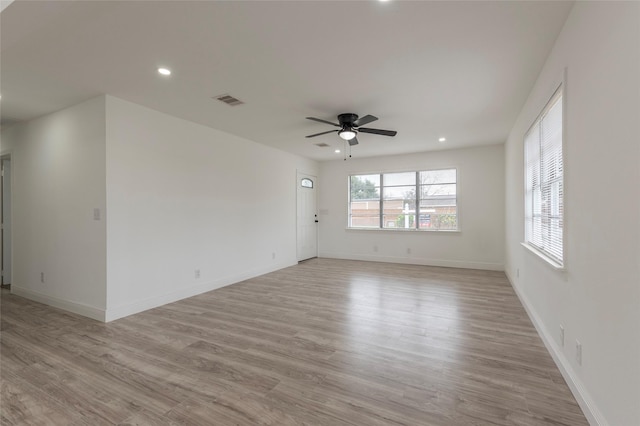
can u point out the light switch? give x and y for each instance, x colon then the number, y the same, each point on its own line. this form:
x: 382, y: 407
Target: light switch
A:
x: 96, y: 214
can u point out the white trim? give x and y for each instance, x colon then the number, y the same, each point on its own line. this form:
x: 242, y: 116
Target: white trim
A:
x: 75, y: 307
x: 565, y: 127
x: 464, y: 264
x: 586, y: 403
x: 552, y: 87
x: 156, y: 301
x: 435, y: 231
x: 547, y: 260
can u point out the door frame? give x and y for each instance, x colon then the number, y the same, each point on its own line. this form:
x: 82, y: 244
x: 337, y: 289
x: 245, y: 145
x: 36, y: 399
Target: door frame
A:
x: 6, y: 156
x: 299, y: 175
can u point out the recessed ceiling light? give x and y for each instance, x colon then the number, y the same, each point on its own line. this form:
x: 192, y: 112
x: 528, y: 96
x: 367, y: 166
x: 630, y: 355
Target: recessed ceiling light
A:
x: 337, y: 151
x: 442, y: 139
x: 164, y: 71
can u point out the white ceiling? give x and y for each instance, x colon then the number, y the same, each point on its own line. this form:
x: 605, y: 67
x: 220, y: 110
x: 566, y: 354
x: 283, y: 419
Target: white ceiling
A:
x: 426, y: 69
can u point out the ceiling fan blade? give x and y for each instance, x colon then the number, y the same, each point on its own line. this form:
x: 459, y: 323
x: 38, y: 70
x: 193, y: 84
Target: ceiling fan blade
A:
x: 365, y: 120
x: 323, y: 121
x: 321, y: 133
x: 353, y: 141
x: 378, y: 131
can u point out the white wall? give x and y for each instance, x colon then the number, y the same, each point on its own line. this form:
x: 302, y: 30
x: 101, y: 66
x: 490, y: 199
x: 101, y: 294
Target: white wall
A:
x: 479, y: 244
x: 58, y: 166
x: 173, y: 197
x: 182, y: 197
x: 597, y: 299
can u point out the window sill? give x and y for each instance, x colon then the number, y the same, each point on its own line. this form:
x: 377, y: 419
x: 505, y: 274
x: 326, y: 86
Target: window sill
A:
x: 552, y: 263
x: 443, y: 231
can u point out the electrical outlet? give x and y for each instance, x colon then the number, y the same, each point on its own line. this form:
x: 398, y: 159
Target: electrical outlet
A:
x: 42, y: 277
x: 561, y: 335
x: 578, y: 352
x: 375, y: 248
x: 197, y: 273
x: 273, y: 255
x: 96, y: 214
x: 408, y: 250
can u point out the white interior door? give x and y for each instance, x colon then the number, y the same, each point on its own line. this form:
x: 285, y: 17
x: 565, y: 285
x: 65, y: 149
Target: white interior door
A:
x: 307, y: 217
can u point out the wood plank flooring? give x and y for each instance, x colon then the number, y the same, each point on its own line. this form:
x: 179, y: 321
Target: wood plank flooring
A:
x: 326, y: 342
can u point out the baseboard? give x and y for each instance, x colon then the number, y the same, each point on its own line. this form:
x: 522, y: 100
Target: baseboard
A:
x: 488, y: 266
x: 122, y: 311
x: 75, y: 307
x: 586, y: 403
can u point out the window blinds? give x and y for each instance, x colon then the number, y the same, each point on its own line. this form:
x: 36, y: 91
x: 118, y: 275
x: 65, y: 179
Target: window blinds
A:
x: 544, y: 189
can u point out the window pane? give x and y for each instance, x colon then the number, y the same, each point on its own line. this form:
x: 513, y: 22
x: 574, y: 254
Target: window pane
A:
x: 399, y: 193
x: 364, y: 221
x: 408, y: 178
x: 438, y: 204
x: 428, y: 206
x: 399, y: 213
x: 365, y: 208
x: 364, y: 214
x: 438, y: 214
x: 442, y: 221
x: 399, y: 221
x: 365, y: 187
x: 307, y: 183
x: 438, y: 176
x: 437, y: 191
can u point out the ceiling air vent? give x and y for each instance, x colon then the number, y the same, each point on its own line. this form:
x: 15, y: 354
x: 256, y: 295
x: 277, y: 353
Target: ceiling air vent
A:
x: 321, y: 145
x: 229, y: 100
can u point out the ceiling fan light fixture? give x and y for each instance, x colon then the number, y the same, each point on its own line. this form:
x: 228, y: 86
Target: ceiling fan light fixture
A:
x: 347, y: 134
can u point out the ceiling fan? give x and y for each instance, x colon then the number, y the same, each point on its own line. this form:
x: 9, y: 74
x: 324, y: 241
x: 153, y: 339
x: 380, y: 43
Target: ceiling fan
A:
x: 350, y: 126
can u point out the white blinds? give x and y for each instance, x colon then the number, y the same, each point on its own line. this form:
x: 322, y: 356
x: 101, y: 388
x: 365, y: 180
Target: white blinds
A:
x: 544, y: 190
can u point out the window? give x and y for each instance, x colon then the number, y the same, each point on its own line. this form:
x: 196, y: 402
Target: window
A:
x: 364, y: 201
x: 424, y: 200
x: 306, y: 183
x: 544, y: 183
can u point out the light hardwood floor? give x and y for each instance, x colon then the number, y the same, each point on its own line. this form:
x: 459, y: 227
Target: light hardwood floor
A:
x: 326, y: 342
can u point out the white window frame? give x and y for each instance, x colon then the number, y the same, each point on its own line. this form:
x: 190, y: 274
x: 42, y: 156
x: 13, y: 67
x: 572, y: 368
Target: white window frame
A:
x: 381, y: 187
x: 546, y: 247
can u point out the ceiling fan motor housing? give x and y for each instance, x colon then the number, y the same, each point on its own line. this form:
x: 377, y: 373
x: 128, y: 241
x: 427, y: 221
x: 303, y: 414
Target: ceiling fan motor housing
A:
x: 347, y: 119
